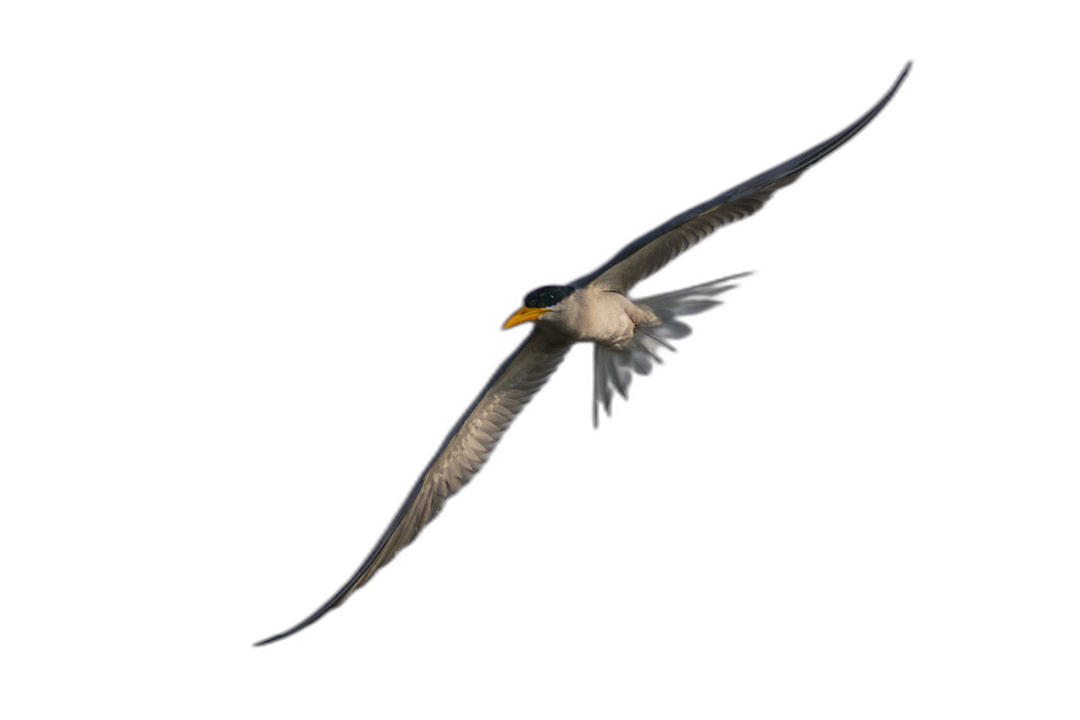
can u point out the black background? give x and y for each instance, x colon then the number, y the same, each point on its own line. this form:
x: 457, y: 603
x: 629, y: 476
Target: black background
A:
x: 355, y: 220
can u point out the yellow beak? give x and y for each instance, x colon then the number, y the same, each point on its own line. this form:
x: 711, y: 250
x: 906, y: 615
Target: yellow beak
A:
x: 525, y: 314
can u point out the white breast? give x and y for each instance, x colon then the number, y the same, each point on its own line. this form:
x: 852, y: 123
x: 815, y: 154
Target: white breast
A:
x: 599, y: 316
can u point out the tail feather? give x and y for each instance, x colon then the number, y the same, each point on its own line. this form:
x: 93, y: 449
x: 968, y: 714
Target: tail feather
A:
x: 614, y: 369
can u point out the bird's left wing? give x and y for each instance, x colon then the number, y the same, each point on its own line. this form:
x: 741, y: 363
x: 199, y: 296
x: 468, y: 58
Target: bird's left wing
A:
x: 459, y: 458
x: 658, y: 247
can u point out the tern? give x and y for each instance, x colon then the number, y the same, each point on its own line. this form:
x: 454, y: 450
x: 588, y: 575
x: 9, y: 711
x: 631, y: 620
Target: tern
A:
x: 627, y: 335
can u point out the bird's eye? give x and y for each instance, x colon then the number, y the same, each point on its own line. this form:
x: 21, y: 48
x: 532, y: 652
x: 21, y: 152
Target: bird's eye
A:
x: 547, y: 296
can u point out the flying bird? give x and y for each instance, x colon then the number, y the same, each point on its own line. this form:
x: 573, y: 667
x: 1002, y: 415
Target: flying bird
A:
x: 627, y: 335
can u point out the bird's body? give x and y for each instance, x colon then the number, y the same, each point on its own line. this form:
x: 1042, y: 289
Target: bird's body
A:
x: 601, y: 316
x: 627, y: 335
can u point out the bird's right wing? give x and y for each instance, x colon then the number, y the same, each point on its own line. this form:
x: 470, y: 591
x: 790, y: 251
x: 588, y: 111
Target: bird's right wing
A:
x: 459, y: 458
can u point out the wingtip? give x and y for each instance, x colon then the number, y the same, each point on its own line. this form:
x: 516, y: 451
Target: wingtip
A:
x: 269, y: 640
x: 897, y: 83
x: 310, y: 620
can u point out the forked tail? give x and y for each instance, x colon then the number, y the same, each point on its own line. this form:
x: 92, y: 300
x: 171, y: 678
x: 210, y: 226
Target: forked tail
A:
x: 614, y: 369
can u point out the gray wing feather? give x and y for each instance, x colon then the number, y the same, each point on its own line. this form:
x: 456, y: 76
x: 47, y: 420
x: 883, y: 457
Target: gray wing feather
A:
x: 656, y: 248
x: 459, y: 458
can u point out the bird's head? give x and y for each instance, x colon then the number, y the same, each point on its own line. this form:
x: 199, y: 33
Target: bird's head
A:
x: 540, y: 302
